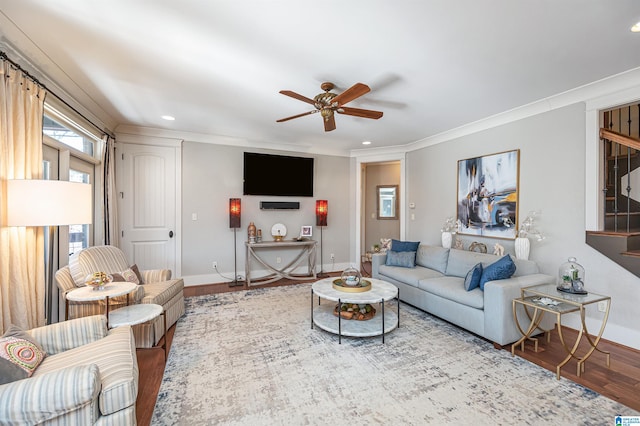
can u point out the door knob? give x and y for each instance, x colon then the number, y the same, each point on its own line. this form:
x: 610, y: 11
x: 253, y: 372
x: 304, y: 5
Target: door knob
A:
x: 170, y: 234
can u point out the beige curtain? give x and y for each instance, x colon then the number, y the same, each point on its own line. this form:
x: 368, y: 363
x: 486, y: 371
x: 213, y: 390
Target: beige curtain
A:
x: 22, y: 268
x: 109, y: 195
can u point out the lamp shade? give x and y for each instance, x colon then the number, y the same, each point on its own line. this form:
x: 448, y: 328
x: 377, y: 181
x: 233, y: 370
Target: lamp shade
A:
x: 322, y: 209
x: 32, y: 202
x: 234, y: 212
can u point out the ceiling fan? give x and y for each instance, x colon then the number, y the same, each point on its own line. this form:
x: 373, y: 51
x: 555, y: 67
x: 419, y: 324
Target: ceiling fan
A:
x: 328, y: 103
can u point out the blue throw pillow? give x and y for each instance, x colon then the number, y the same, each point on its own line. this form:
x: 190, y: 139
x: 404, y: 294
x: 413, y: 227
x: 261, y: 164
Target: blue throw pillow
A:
x: 500, y: 270
x: 405, y: 259
x: 404, y: 245
x: 472, y: 280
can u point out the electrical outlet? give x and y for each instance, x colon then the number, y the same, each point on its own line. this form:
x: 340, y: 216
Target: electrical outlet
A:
x: 278, y: 260
x: 602, y: 306
x: 215, y: 265
x: 333, y: 256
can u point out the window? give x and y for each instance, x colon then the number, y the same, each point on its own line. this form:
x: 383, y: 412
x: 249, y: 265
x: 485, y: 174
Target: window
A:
x: 70, y: 154
x: 65, y: 135
x: 80, y: 236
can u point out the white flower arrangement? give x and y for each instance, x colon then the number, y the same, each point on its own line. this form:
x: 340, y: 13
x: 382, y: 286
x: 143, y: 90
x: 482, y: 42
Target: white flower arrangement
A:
x: 451, y: 225
x: 528, y: 229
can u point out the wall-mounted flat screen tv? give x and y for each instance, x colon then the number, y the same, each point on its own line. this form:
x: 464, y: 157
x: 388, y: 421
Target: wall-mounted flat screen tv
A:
x: 277, y: 175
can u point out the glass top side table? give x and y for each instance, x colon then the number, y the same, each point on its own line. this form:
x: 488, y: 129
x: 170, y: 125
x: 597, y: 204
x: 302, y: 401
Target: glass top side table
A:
x: 545, y: 298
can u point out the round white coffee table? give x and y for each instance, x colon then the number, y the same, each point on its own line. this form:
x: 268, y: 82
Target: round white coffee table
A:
x: 382, y: 323
x: 88, y: 294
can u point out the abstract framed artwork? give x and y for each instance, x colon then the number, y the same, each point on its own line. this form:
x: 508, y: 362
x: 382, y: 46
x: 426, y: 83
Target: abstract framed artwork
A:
x: 488, y: 195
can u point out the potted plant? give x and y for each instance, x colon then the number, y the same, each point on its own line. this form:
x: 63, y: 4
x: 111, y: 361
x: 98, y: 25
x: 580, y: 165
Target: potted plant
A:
x: 522, y: 244
x: 450, y: 227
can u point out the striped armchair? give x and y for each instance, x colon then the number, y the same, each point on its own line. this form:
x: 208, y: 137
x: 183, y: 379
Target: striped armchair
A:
x: 157, y: 287
x: 89, y: 376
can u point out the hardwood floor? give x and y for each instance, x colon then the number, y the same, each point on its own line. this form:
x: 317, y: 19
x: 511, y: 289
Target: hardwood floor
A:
x: 620, y: 382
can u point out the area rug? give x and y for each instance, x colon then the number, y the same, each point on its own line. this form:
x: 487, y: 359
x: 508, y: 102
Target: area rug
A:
x: 251, y: 358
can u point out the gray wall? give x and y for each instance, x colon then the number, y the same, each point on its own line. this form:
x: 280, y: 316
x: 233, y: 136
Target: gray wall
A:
x: 380, y: 174
x: 552, y: 179
x: 211, y: 174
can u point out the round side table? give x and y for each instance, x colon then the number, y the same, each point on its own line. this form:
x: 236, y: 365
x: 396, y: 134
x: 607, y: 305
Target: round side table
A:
x: 88, y: 294
x: 138, y: 314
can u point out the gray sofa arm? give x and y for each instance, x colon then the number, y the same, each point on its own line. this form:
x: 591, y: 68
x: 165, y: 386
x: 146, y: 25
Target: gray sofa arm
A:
x: 499, y: 324
x: 62, y: 336
x: 377, y: 259
x: 71, y: 392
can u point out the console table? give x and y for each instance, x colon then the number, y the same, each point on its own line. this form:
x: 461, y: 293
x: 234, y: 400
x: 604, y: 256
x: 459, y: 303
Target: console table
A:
x: 307, y: 250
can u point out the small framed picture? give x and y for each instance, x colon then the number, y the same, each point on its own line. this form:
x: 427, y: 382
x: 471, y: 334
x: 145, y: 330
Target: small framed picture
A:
x: 306, y: 231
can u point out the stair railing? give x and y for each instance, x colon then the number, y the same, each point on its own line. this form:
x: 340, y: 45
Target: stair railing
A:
x: 614, y: 143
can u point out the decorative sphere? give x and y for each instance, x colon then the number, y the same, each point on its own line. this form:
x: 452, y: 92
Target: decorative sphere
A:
x: 351, y: 276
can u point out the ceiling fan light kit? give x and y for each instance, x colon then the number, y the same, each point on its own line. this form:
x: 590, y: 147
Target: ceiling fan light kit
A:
x: 328, y: 103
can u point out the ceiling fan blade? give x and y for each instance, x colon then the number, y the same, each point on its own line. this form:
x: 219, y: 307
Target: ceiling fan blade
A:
x: 297, y: 96
x: 330, y: 123
x: 350, y: 94
x: 296, y: 116
x: 364, y: 113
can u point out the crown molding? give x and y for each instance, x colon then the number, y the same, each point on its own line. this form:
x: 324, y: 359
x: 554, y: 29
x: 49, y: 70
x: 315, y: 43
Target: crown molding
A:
x: 152, y: 132
x: 613, y: 88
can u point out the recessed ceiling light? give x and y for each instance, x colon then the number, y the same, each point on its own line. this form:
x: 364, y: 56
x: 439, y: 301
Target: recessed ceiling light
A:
x: 636, y: 28
x: 366, y: 143
x: 168, y: 117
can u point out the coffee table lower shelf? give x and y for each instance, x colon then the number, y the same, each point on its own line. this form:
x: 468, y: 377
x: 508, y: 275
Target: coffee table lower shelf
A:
x: 324, y: 318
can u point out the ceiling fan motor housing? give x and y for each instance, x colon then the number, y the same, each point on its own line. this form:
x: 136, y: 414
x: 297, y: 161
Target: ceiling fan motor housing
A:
x: 324, y: 101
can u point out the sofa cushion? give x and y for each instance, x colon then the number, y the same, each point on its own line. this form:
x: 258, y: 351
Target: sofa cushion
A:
x: 460, y: 261
x: 452, y: 288
x: 500, y: 270
x: 96, y: 259
x: 404, y: 245
x: 20, y: 355
x: 115, y: 356
x: 403, y: 259
x: 407, y: 276
x: 472, y: 280
x: 432, y: 257
x: 162, y: 292
x: 525, y: 267
x: 127, y: 275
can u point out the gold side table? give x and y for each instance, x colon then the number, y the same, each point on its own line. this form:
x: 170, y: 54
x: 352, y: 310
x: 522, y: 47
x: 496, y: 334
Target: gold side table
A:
x: 545, y: 298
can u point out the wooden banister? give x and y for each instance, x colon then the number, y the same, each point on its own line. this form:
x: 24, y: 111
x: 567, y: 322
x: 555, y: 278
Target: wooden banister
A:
x: 616, y: 137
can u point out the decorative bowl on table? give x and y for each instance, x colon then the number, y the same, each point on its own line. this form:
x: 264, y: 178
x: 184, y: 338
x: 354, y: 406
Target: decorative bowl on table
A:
x: 98, y: 280
x: 351, y: 277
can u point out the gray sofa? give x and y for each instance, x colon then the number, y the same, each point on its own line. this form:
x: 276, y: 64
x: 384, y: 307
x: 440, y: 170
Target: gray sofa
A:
x: 436, y: 285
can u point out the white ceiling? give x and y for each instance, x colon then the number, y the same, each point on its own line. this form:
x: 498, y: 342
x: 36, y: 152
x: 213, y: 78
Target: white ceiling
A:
x: 217, y: 66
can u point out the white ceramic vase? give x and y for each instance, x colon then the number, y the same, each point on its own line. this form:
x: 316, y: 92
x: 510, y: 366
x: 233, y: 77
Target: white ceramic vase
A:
x: 522, y: 247
x: 447, y: 237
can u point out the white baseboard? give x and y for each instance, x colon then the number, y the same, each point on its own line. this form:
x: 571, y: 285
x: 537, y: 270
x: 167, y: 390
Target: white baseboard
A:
x: 193, y: 280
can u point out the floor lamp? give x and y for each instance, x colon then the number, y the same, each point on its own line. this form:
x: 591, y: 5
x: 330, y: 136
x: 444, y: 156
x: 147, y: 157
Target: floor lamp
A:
x: 51, y: 203
x: 234, y: 222
x: 321, y: 221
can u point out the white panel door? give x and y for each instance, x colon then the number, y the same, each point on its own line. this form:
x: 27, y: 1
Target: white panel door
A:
x: 147, y: 205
